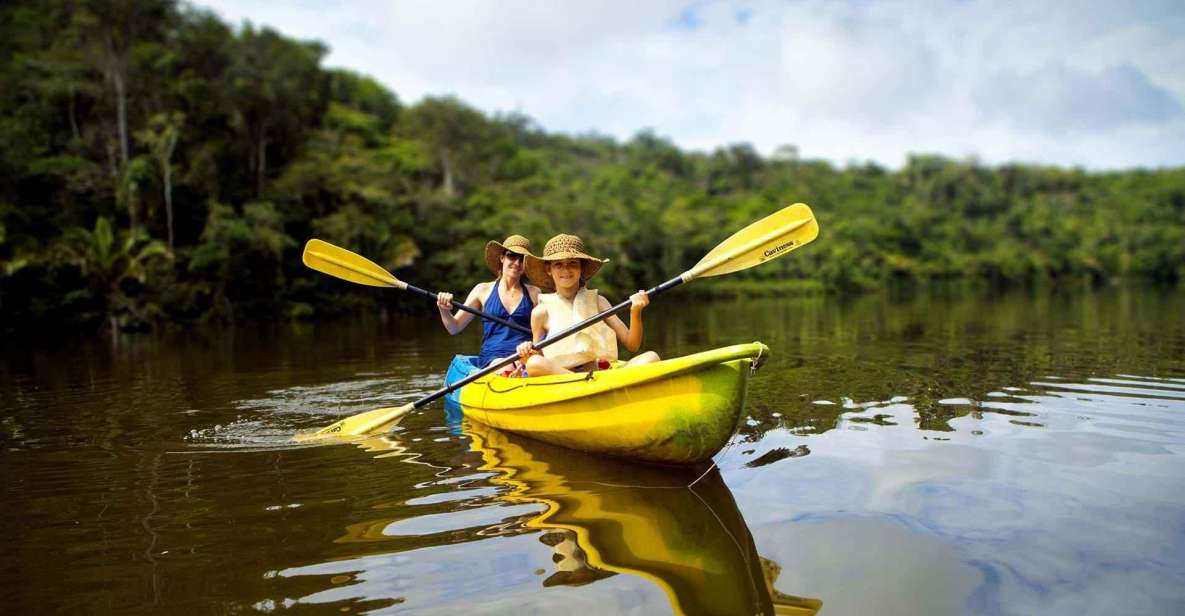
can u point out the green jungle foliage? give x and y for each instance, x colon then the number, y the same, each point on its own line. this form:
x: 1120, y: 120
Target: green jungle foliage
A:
x: 160, y: 166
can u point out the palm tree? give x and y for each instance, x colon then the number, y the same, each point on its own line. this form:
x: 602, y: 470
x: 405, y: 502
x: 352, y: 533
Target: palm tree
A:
x: 109, y: 260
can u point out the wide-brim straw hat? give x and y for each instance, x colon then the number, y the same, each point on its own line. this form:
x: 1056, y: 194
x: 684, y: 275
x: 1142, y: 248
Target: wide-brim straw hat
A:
x: 494, y: 251
x: 559, y: 248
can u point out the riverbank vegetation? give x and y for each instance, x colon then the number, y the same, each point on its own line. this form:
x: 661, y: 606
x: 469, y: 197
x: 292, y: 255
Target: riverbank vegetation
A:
x: 163, y: 167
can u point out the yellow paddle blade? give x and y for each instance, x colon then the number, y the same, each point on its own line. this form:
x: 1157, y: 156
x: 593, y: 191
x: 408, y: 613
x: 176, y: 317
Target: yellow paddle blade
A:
x: 341, y: 263
x: 764, y: 240
x: 370, y: 422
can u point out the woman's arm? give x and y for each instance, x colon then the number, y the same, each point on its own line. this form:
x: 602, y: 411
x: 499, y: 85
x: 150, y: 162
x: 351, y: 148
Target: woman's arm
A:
x: 456, y: 323
x: 538, y: 332
x: 538, y: 324
x: 630, y: 338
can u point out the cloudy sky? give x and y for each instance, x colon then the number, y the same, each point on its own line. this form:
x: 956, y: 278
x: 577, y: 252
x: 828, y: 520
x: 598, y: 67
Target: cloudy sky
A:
x: 1099, y: 84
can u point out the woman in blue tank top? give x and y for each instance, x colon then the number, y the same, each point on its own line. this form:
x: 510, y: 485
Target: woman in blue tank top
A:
x: 507, y: 297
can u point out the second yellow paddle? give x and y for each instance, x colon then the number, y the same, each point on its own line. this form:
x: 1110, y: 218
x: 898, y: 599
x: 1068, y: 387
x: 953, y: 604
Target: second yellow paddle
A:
x: 341, y: 263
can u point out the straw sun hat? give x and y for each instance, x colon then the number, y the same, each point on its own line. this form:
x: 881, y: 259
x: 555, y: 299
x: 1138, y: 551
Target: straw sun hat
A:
x: 559, y: 248
x: 494, y: 251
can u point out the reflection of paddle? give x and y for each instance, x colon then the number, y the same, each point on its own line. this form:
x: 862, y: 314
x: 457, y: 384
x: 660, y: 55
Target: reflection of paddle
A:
x: 764, y: 240
x: 341, y: 263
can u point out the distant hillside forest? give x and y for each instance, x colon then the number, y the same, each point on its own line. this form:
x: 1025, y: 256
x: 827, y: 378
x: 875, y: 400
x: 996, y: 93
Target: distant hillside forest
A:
x: 160, y: 166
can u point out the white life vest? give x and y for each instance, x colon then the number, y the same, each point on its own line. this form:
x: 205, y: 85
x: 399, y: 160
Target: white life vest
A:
x: 595, y: 341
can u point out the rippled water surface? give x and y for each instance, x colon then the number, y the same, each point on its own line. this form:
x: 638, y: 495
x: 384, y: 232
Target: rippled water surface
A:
x: 1022, y: 454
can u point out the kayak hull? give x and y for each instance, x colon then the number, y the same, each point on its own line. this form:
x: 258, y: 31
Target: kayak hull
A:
x: 461, y: 367
x: 677, y: 411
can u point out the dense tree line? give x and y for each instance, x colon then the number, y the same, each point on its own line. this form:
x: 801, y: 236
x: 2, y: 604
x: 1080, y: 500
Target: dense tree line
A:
x: 160, y: 166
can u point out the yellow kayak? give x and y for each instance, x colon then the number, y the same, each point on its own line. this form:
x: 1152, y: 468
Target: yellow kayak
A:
x: 677, y: 411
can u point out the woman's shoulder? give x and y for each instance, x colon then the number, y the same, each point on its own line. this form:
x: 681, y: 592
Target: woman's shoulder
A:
x: 595, y: 296
x: 546, y: 298
x: 481, y: 291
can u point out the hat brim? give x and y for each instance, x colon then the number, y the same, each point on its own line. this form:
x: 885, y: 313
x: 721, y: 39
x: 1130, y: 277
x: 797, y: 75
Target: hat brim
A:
x: 537, y: 268
x: 494, y: 252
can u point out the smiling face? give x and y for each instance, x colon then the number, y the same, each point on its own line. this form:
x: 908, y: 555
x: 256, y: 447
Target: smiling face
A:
x: 512, y: 265
x: 565, y: 273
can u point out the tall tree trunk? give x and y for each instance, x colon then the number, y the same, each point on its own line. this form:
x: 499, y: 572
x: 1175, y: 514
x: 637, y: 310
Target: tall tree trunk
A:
x: 171, y: 130
x: 261, y: 167
x: 133, y: 197
x: 116, y: 67
x: 74, y: 118
x: 122, y: 120
x: 168, y: 177
x: 258, y: 156
x: 447, y: 166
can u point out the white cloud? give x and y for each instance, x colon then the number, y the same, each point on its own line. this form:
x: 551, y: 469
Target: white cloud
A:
x: 844, y: 81
x: 1058, y: 100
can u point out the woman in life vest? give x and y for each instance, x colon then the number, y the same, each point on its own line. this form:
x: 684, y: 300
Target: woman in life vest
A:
x: 564, y: 269
x: 507, y: 296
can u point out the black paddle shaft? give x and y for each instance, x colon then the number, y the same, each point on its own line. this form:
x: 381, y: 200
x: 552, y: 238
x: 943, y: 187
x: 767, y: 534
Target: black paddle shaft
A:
x: 432, y: 397
x: 473, y: 311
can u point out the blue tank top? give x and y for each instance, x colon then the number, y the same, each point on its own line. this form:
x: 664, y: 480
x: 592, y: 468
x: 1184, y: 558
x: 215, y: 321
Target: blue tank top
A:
x: 497, y: 340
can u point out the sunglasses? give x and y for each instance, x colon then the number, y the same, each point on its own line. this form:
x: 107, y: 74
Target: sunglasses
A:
x: 513, y: 256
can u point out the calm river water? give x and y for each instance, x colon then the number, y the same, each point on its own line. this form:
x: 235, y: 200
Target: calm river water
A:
x: 1022, y: 454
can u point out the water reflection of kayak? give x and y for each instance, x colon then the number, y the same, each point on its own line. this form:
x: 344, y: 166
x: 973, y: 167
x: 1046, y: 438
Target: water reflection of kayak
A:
x: 677, y: 411
x: 604, y: 517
